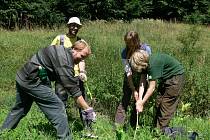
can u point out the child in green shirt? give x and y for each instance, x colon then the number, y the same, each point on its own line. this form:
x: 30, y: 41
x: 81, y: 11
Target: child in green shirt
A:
x: 169, y: 73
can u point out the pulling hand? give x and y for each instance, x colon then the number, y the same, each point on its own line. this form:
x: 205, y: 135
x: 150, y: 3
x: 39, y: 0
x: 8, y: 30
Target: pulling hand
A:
x: 83, y: 76
x: 89, y: 115
x: 139, y: 106
x: 141, y: 90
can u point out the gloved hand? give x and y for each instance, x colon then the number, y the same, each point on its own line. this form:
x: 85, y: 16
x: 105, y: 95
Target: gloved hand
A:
x: 89, y: 115
x: 83, y: 76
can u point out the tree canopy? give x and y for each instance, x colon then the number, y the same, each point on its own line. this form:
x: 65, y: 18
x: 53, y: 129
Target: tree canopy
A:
x: 50, y: 13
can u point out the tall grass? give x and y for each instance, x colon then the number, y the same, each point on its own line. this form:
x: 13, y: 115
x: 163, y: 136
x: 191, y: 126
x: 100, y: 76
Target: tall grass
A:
x: 189, y: 44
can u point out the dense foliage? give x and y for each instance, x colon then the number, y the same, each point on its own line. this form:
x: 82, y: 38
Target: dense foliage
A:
x: 50, y: 13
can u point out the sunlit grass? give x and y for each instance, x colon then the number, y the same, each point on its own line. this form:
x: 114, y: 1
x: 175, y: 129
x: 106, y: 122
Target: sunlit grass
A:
x: 105, y: 76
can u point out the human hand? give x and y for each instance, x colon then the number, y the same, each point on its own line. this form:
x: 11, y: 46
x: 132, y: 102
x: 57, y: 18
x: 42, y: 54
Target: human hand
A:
x: 82, y: 76
x: 89, y: 115
x: 139, y: 106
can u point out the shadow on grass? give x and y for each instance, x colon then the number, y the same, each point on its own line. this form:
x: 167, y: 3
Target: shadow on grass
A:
x: 75, y: 124
x: 46, y: 129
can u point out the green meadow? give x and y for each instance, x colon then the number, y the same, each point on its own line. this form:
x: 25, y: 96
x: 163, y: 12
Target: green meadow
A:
x: 190, y: 44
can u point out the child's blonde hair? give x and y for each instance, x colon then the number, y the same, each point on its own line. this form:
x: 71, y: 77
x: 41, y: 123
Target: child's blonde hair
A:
x: 139, y: 60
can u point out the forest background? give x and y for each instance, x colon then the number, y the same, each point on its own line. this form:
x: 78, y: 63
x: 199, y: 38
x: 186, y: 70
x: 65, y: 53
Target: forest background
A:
x: 51, y: 13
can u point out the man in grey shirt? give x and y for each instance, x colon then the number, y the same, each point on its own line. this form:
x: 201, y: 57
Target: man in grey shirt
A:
x: 33, y: 83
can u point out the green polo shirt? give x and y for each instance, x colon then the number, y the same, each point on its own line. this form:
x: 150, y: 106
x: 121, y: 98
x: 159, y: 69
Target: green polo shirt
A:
x: 163, y: 66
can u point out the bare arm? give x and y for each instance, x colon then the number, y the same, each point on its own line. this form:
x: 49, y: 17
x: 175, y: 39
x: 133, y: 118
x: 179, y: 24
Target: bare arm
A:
x: 82, y: 66
x: 82, y: 72
x: 88, y: 114
x: 128, y: 72
x: 150, y: 91
x: 142, y: 85
x: 132, y: 87
x: 81, y: 102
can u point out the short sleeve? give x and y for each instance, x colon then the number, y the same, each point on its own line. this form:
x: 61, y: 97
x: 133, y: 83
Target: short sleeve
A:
x: 56, y: 41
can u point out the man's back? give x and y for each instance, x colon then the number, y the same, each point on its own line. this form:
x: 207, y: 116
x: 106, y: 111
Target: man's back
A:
x: 58, y: 63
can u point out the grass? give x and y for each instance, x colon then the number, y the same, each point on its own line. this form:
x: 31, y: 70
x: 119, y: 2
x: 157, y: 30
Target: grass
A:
x: 105, y: 77
x: 35, y: 126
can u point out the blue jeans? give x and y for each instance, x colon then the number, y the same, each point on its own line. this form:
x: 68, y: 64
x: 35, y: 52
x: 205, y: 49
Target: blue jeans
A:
x: 47, y: 101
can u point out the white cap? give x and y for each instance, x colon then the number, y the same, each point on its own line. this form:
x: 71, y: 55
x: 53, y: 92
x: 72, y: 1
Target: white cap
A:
x: 74, y: 20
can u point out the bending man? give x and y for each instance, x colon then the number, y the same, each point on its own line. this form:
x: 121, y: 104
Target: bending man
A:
x: 33, y: 84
